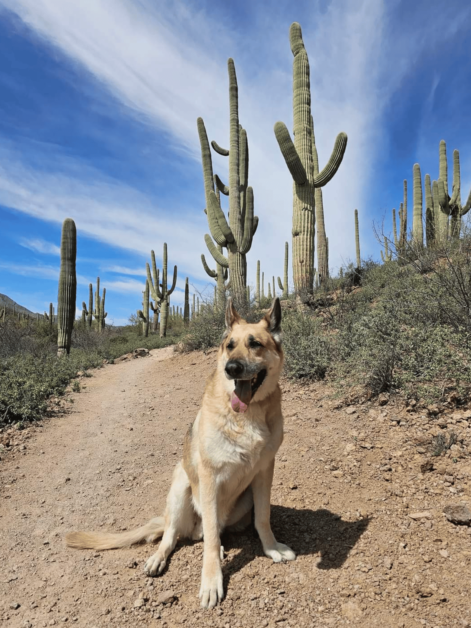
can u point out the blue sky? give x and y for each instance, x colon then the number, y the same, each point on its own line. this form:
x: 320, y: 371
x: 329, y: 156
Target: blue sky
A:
x: 98, y: 123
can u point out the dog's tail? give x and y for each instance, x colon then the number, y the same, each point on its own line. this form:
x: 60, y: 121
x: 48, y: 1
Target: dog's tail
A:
x: 103, y: 540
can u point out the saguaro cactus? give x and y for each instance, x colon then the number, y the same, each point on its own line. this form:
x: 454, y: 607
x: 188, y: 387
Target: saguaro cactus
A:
x: 237, y: 235
x: 284, y: 286
x: 84, y: 314
x: 99, y: 311
x: 396, y: 242
x: 90, y: 306
x: 67, y: 287
x: 430, y: 213
x: 451, y: 205
x: 144, y: 313
x: 417, y: 217
x: 186, y: 311
x: 387, y: 256
x: 357, y: 239
x: 161, y: 292
x: 299, y: 159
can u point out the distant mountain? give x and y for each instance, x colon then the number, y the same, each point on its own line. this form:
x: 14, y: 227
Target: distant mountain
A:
x: 10, y: 304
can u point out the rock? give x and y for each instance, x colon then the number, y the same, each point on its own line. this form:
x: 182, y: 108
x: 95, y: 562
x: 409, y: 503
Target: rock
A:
x: 426, y: 466
x: 139, y: 602
x: 420, y: 515
x: 443, y: 553
x: 433, y: 410
x: 140, y: 353
x: 15, y: 605
x: 167, y: 597
x: 350, y: 411
x: 383, y: 399
x: 458, y: 514
x: 387, y: 562
x: 351, y: 610
x: 348, y: 449
x: 337, y: 474
x: 366, y: 445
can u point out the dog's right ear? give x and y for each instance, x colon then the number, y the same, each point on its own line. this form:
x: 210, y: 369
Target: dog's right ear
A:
x: 232, y: 316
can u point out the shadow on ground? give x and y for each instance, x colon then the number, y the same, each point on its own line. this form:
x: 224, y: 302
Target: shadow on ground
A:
x: 306, y: 531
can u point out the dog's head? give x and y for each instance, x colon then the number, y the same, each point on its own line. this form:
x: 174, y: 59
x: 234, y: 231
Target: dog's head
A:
x: 251, y: 356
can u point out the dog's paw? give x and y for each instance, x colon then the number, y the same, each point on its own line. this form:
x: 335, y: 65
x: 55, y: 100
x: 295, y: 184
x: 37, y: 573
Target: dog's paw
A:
x: 155, y: 564
x: 279, y: 553
x: 211, y: 591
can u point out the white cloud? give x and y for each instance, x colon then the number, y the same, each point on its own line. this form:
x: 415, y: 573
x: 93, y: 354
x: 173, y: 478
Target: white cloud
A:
x: 123, y: 270
x: 40, y: 246
x: 167, y: 65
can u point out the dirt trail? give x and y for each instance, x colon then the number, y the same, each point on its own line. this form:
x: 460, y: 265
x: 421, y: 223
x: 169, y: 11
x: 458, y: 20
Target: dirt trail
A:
x: 346, y: 484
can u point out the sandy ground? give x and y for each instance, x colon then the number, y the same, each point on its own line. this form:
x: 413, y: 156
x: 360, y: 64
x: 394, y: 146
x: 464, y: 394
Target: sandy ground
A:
x: 374, y: 547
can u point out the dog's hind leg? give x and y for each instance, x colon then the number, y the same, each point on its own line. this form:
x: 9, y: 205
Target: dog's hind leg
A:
x: 179, y: 521
x: 240, y: 516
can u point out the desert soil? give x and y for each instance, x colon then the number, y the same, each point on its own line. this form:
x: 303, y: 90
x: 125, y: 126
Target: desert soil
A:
x: 352, y: 496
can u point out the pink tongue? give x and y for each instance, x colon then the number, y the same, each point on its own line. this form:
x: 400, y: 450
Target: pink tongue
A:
x: 242, y: 395
x: 237, y: 404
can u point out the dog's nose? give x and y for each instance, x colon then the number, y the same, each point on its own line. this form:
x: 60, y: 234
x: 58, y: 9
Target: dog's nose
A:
x: 234, y: 368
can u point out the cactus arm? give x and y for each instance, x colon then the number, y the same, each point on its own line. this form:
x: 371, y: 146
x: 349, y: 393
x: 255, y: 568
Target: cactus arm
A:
x: 330, y: 169
x: 140, y: 313
x: 465, y: 208
x: 290, y: 154
x: 443, y: 197
x: 154, y: 288
x: 220, y: 185
x: 209, y: 272
x: 218, y: 226
x: 174, y: 282
x: 443, y: 165
x: 456, y: 193
x: 218, y: 257
x: 221, y: 151
x: 280, y: 285
x: 255, y: 225
x: 248, y: 224
x: 205, y: 157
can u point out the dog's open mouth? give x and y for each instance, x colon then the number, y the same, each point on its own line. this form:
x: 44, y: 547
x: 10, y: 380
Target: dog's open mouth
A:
x: 244, y: 391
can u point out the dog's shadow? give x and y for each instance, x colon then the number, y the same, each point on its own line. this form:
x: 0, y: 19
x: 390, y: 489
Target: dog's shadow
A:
x: 306, y: 531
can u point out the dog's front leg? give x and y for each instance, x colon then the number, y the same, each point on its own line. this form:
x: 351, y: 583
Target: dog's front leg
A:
x: 211, y: 591
x: 261, y: 487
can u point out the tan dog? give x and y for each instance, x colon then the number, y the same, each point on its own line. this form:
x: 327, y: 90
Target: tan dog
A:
x: 228, y: 460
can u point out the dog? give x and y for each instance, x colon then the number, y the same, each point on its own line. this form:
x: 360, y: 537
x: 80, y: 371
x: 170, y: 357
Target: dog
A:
x: 228, y: 458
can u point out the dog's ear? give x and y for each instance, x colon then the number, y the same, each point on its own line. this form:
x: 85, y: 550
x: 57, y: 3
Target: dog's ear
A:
x: 232, y: 316
x: 273, y: 320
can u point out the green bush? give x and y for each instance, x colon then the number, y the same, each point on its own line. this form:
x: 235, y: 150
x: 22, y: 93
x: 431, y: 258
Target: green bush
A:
x: 307, y: 349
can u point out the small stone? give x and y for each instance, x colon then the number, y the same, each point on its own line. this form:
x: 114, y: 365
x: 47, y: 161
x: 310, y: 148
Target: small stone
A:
x: 349, y: 448
x: 366, y: 445
x: 15, y: 605
x: 421, y: 515
x: 337, y: 474
x: 139, y: 602
x: 351, y: 610
x: 458, y: 514
x: 427, y: 559
x: 387, y: 562
x: 444, y: 553
x: 383, y: 399
x: 167, y: 597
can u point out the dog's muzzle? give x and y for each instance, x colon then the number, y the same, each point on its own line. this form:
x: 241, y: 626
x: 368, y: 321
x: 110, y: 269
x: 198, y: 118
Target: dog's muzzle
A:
x: 246, y: 383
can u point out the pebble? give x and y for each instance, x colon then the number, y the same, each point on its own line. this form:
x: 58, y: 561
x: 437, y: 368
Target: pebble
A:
x: 15, y: 605
x: 421, y: 515
x: 166, y: 597
x: 139, y: 602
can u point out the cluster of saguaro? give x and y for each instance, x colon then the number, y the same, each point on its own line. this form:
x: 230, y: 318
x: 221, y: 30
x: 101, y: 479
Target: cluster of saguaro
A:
x: 99, y: 313
x: 299, y: 157
x: 284, y: 286
x: 67, y: 287
x: 236, y: 236
x: 160, y: 291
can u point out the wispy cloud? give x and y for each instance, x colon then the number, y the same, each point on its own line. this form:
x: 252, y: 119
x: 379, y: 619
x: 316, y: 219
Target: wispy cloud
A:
x: 122, y: 270
x: 40, y: 246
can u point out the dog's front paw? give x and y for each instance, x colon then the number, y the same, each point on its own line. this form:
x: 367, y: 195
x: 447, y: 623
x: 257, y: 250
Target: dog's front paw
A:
x: 211, y: 591
x: 279, y: 553
x: 155, y: 564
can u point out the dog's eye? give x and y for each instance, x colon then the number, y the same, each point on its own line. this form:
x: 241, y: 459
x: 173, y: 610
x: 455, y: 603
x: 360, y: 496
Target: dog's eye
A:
x: 255, y: 344
x: 230, y: 346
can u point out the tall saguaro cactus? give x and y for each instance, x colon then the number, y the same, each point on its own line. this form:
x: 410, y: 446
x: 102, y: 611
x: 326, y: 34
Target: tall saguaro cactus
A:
x: 357, y: 239
x: 161, y: 292
x: 451, y: 205
x: 99, y: 311
x: 299, y: 159
x: 284, y: 286
x: 186, y: 310
x: 67, y: 287
x: 417, y: 216
x: 144, y: 313
x: 236, y: 235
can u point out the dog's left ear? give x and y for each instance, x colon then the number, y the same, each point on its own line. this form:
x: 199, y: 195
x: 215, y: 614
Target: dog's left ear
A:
x: 232, y: 316
x: 273, y: 319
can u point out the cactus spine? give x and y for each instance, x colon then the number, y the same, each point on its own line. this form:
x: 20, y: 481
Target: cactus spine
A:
x: 186, y: 311
x: 67, y: 287
x: 357, y: 239
x: 417, y: 217
x: 299, y: 159
x: 237, y: 235
x: 161, y: 292
x: 144, y: 313
x: 451, y: 206
x: 284, y: 286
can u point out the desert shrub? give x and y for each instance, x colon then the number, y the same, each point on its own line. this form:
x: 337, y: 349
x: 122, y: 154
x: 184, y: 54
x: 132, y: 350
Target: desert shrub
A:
x: 307, y: 349
x: 205, y: 329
